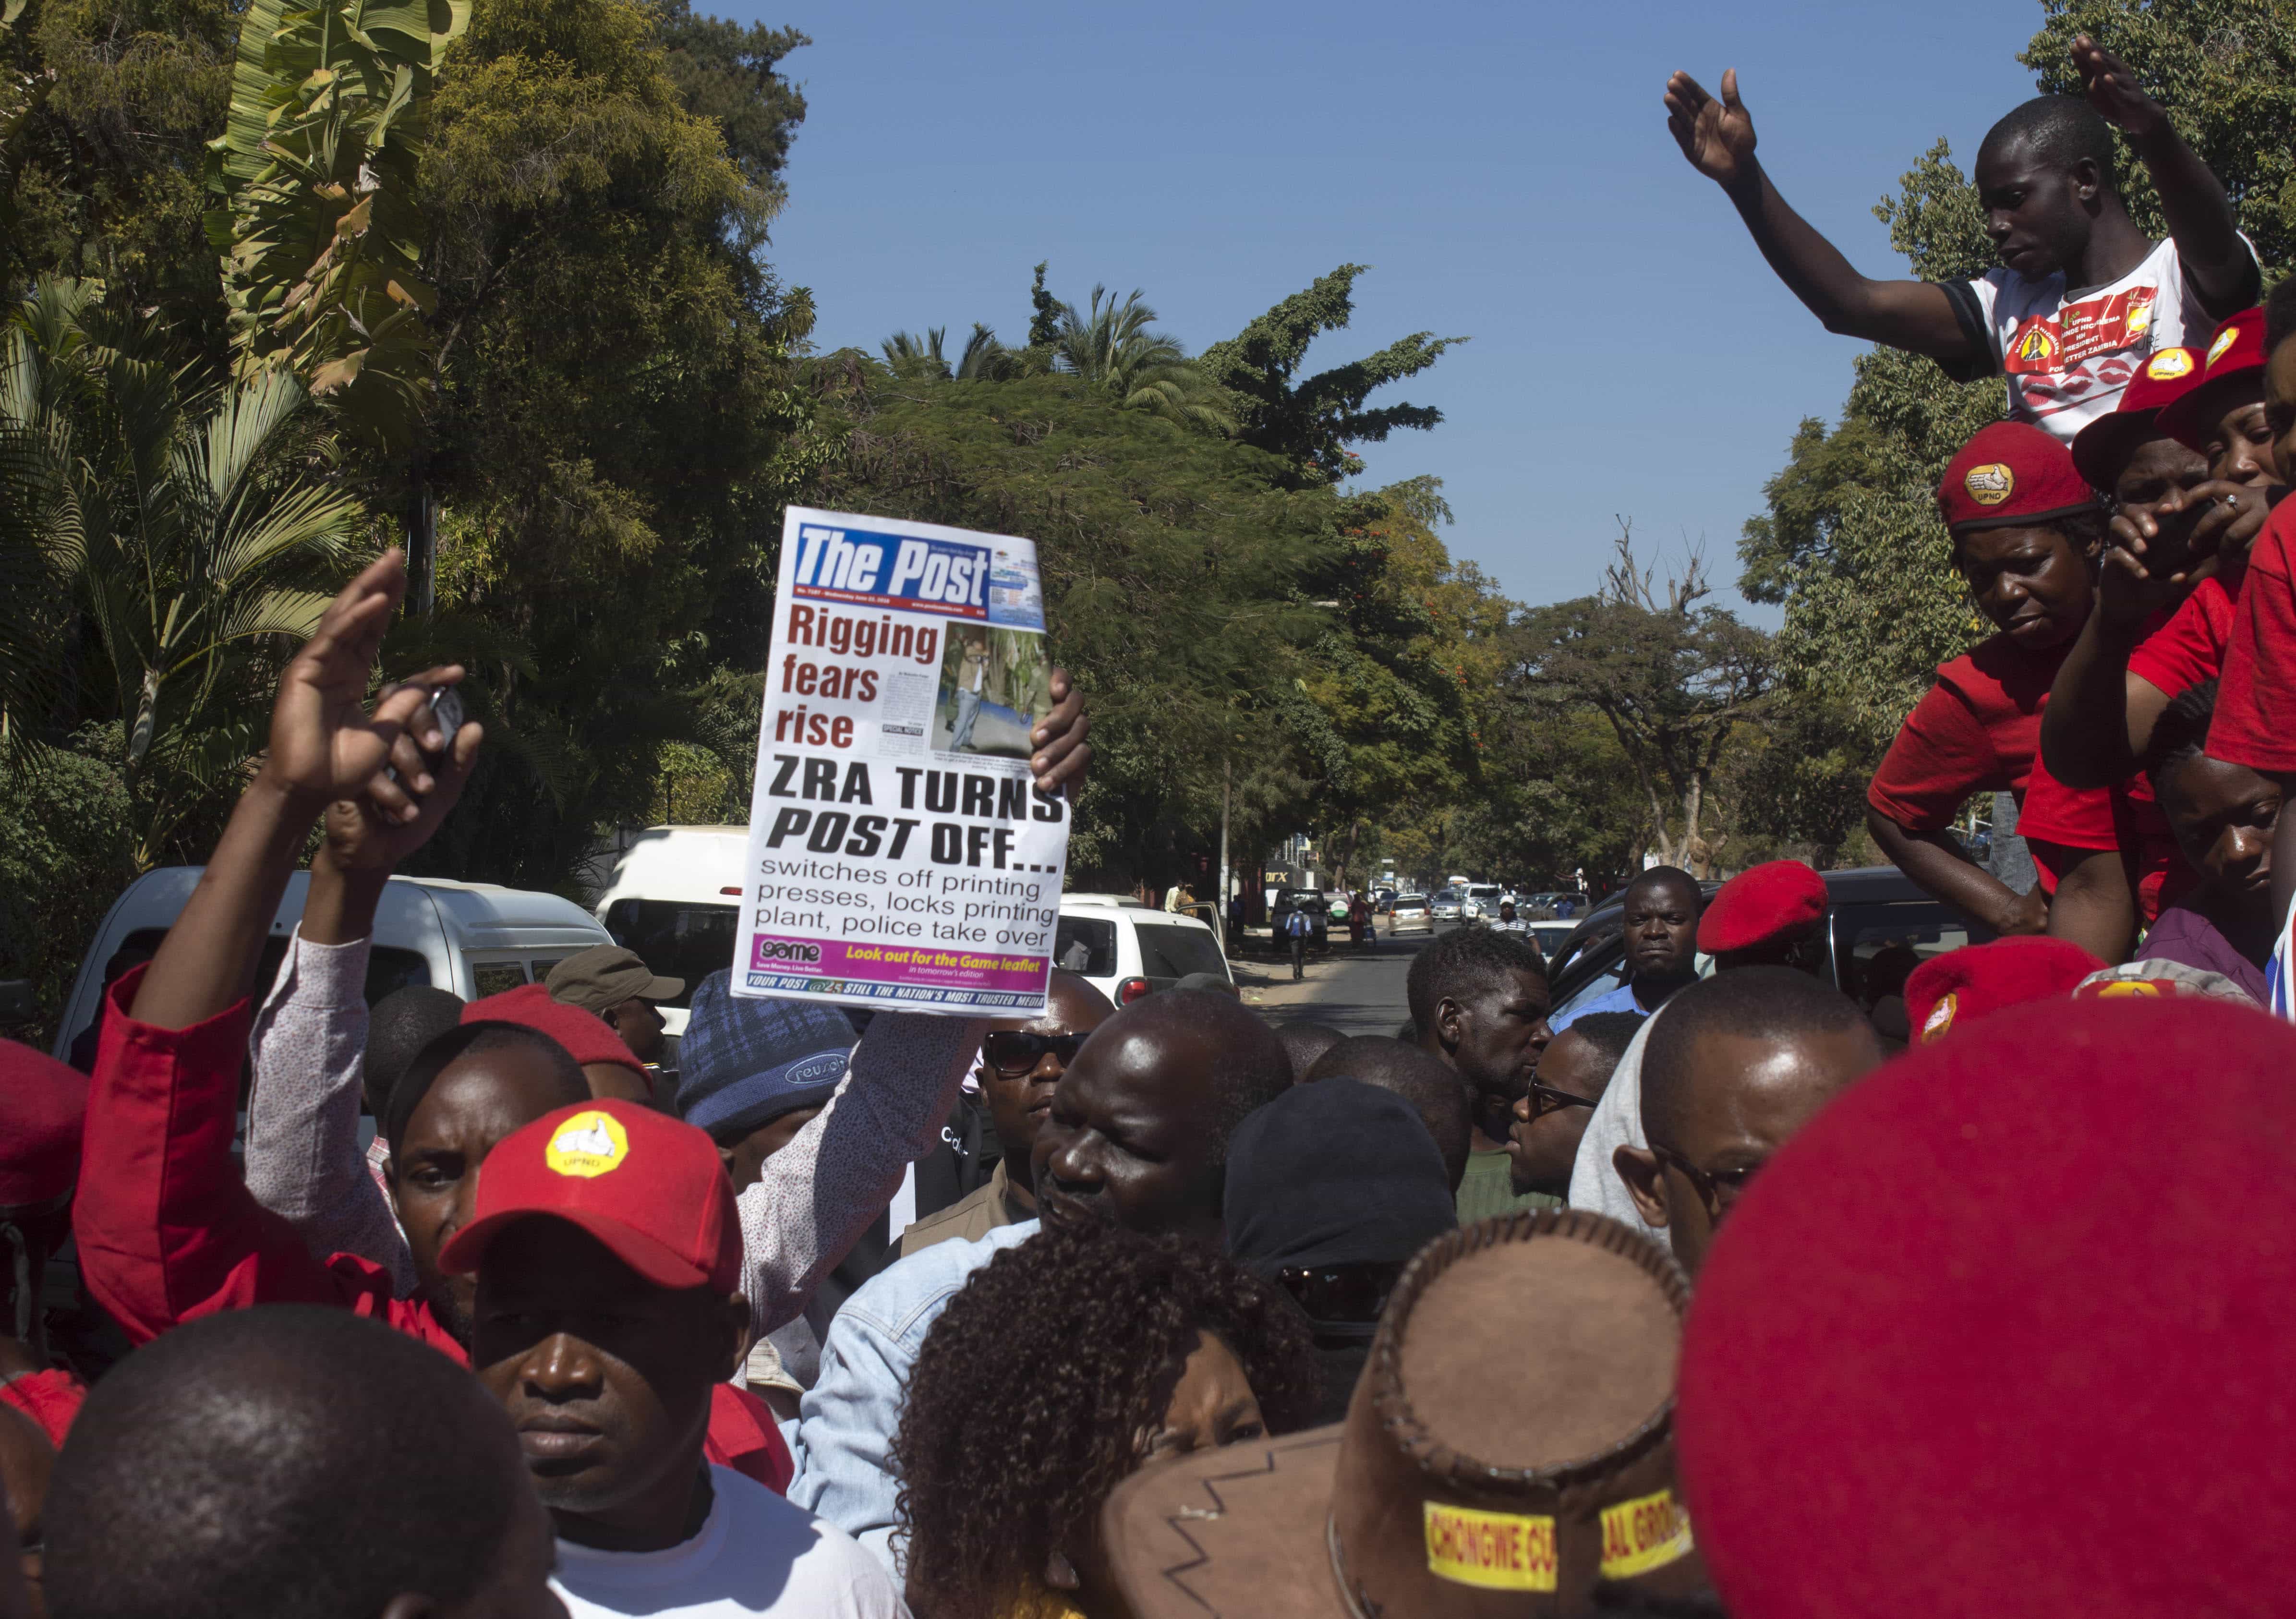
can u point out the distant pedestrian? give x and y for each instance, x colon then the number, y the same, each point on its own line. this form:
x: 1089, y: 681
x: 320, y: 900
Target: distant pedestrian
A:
x: 1295, y: 929
x: 1359, y: 921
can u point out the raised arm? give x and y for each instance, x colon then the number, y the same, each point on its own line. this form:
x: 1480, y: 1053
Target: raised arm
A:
x: 2200, y: 220
x: 1717, y: 137
x: 1938, y: 865
x: 304, y: 1162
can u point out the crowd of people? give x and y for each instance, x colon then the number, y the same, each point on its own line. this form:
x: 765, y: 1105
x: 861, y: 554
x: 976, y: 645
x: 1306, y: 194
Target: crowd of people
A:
x: 1717, y: 1291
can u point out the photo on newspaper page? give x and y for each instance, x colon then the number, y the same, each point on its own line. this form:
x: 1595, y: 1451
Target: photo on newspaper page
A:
x: 901, y: 856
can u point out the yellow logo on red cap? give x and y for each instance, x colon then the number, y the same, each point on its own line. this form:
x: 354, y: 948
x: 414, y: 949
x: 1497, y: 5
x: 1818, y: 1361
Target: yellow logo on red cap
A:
x: 588, y: 1145
x: 1940, y: 1017
x: 1647, y: 1533
x: 1495, y: 1550
x: 2224, y: 340
x: 1989, y: 485
x: 2125, y: 989
x: 2169, y: 364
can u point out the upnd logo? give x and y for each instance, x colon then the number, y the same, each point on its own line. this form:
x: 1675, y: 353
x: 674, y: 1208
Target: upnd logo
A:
x: 1989, y: 485
x: 588, y: 1145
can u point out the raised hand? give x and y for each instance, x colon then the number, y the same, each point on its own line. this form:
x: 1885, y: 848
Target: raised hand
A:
x: 324, y: 745
x: 1717, y: 137
x: 390, y: 819
x: 2112, y: 89
x: 1063, y: 755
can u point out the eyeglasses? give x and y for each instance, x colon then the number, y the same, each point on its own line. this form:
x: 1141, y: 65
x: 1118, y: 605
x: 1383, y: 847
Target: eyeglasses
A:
x: 1355, y: 1294
x: 1545, y: 1100
x: 1718, y: 1190
x: 1015, y: 1052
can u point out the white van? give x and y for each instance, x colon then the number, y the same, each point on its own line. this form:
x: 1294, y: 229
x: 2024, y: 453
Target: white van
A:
x: 1129, y: 949
x: 475, y: 939
x: 675, y: 896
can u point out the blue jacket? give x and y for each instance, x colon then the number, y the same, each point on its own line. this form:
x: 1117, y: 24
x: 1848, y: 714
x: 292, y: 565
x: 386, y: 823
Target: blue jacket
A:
x: 846, y: 1420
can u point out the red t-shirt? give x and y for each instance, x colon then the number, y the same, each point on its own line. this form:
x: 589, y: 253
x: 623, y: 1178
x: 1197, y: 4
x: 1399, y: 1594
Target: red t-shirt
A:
x: 2256, y: 700
x: 167, y: 1232
x: 1977, y: 730
x: 2190, y: 647
x: 51, y: 1398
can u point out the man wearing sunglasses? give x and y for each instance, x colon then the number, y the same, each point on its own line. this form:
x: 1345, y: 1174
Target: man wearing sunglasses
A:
x: 1736, y: 1067
x: 1571, y: 1075
x: 1022, y: 1060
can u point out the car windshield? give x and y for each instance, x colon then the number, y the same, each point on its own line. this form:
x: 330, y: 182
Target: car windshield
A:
x: 1173, y: 952
x: 675, y: 938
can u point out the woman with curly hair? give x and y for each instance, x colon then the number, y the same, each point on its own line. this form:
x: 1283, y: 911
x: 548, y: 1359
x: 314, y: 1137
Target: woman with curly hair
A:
x: 1064, y: 1364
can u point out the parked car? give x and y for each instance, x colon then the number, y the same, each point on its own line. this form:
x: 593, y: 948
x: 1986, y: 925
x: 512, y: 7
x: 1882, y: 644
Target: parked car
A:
x: 1337, y: 909
x: 1445, y: 906
x: 1870, y: 906
x: 1551, y: 936
x: 474, y: 939
x: 1128, y: 950
x: 674, y: 897
x: 1383, y: 900
x: 1410, y: 913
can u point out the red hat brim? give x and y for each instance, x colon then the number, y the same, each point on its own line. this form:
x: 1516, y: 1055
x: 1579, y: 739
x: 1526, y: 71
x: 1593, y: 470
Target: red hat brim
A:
x: 653, y: 1261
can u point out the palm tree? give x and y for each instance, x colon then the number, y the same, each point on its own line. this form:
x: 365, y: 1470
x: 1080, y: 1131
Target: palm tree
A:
x: 1112, y: 347
x: 914, y: 358
x: 180, y: 533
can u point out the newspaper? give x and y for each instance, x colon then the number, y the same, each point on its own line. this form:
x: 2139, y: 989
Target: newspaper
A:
x: 900, y: 855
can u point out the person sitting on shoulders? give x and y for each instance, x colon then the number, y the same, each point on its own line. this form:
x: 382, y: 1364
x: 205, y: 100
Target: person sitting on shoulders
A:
x: 2083, y: 295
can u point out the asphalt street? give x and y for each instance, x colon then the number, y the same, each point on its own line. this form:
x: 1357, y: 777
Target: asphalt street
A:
x: 1355, y: 992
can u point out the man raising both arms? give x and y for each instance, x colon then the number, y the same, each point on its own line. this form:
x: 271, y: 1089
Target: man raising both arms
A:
x: 2082, y: 296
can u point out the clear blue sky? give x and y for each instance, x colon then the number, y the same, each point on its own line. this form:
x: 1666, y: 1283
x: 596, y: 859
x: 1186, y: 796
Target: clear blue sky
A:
x: 1505, y: 168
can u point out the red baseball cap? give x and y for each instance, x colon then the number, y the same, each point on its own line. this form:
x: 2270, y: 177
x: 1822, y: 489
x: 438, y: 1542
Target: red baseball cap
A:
x: 1760, y: 905
x: 2103, y: 447
x: 1998, y: 1330
x: 43, y: 1105
x: 647, y: 1186
x: 2010, y: 473
x: 587, y: 1035
x: 2238, y: 346
x: 1953, y: 991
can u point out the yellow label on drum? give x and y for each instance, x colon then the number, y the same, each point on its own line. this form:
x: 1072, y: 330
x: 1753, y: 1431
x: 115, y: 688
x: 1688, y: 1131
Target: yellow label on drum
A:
x: 1496, y: 1550
x: 1647, y: 1533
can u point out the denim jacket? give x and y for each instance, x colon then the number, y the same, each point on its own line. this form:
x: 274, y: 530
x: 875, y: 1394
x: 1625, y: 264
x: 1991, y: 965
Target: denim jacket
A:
x: 846, y: 1420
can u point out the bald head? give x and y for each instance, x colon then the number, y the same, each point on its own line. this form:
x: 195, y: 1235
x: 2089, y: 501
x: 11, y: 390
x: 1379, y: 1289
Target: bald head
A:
x: 1665, y: 880
x: 1305, y: 1042
x: 1757, y: 1010
x: 283, y: 1462
x: 1427, y: 1084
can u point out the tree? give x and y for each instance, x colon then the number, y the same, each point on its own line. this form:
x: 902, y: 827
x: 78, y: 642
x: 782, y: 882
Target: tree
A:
x: 1674, y: 680
x: 313, y: 183
x: 192, y: 540
x: 1111, y: 347
x: 1311, y: 422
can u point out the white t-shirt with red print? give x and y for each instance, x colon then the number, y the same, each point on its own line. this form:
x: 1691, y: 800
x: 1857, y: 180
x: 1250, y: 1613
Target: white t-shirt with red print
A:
x: 2069, y: 354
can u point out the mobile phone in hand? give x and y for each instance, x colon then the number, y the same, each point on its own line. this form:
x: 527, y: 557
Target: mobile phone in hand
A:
x: 447, y: 711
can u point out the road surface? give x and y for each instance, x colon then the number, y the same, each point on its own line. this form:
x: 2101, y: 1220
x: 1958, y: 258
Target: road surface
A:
x: 1354, y: 993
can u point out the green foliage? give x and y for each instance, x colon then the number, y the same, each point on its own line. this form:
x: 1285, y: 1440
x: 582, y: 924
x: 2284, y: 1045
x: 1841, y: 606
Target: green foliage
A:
x: 1111, y: 347
x: 2226, y: 70
x: 192, y: 542
x: 1312, y: 422
x: 729, y: 74
x: 313, y: 182
x: 65, y: 853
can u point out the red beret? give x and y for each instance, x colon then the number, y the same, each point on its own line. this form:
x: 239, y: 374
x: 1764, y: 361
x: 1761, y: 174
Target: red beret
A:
x: 2010, y: 473
x: 2103, y: 447
x: 2237, y: 346
x: 589, y: 1037
x: 1993, y: 1331
x: 42, y: 1105
x: 1761, y: 904
x: 1955, y: 990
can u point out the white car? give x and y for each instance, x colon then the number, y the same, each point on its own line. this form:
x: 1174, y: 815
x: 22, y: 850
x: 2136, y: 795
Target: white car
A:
x: 674, y: 897
x: 1480, y: 903
x: 1411, y: 915
x: 1445, y: 906
x: 473, y: 939
x: 1128, y: 950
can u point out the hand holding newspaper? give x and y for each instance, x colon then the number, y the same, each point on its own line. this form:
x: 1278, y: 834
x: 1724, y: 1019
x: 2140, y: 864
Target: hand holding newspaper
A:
x: 901, y: 856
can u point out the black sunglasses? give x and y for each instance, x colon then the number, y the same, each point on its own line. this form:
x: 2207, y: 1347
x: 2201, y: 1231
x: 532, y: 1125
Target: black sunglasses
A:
x: 1016, y: 1051
x: 1354, y: 1294
x: 1718, y: 1189
x: 1546, y: 1098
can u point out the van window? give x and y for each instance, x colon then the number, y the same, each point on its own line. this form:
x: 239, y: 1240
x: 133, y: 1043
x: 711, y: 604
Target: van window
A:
x: 1173, y: 952
x: 677, y: 939
x: 495, y: 977
x: 1086, y: 945
x: 386, y: 969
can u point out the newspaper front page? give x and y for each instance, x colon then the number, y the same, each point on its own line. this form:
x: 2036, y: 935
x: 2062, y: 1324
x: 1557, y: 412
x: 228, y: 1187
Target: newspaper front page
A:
x: 900, y: 855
